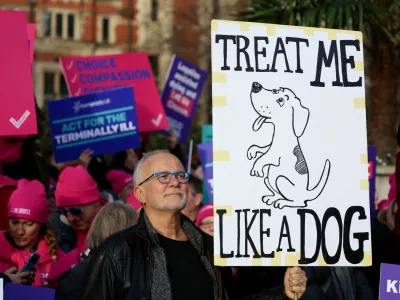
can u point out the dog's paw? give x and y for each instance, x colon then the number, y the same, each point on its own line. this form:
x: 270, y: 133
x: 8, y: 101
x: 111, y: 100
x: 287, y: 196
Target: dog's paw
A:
x: 280, y: 203
x: 252, y: 152
x: 257, y: 170
x: 268, y: 200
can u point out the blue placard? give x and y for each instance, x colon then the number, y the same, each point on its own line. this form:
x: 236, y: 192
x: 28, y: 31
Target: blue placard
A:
x: 25, y: 292
x: 181, y: 93
x: 105, y: 122
x: 206, y: 136
x: 206, y: 133
x: 206, y: 159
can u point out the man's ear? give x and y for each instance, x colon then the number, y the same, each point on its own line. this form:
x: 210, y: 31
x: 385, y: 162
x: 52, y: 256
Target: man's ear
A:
x: 139, y: 194
x: 199, y: 198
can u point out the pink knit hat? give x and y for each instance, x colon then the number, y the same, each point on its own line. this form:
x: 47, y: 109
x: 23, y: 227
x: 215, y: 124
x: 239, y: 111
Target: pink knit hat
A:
x: 119, y: 179
x: 204, y: 212
x: 384, y: 204
x: 76, y: 187
x: 29, y: 202
x: 133, y: 201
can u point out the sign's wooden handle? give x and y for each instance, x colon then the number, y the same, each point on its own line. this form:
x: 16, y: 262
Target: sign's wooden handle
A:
x: 296, y: 296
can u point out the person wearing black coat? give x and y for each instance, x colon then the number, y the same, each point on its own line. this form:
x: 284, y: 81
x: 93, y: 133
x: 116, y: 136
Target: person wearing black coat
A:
x: 337, y: 283
x: 165, y: 256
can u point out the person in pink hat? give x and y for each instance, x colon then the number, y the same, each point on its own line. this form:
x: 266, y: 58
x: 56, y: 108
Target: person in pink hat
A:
x: 78, y: 200
x: 121, y: 183
x: 7, y: 187
x: 205, y: 219
x: 134, y: 202
x: 28, y: 233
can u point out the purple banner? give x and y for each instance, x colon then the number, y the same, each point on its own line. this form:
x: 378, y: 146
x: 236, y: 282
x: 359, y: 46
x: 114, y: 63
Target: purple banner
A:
x: 372, y: 178
x: 181, y: 93
x: 206, y: 159
x: 25, y: 292
x: 389, y: 287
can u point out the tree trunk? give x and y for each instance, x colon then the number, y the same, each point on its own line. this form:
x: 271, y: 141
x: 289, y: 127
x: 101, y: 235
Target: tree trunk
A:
x: 382, y: 103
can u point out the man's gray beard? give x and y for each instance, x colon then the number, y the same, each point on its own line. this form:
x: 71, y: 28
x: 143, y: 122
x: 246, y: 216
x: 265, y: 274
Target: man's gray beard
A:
x: 182, y: 205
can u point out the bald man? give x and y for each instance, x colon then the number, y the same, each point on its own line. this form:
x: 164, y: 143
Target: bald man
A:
x: 164, y: 256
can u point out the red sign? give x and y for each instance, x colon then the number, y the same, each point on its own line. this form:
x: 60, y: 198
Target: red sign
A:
x: 18, y: 112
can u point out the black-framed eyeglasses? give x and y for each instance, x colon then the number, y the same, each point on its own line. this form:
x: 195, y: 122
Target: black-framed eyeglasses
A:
x: 165, y: 177
x: 75, y: 211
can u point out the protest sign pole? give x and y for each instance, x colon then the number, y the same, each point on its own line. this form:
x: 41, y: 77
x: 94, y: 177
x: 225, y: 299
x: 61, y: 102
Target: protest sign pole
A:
x: 190, y: 156
x: 296, y: 296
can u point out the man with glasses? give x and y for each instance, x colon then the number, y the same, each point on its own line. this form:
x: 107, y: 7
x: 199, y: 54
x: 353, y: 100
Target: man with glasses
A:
x: 164, y: 256
x: 78, y: 200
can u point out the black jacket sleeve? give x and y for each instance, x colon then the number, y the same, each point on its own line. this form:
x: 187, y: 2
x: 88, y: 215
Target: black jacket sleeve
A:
x: 260, y: 283
x: 364, y: 290
x: 103, y: 277
x: 267, y: 294
x: 71, y: 284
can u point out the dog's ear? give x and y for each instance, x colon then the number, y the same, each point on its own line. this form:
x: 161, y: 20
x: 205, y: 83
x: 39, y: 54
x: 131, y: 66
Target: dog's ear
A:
x: 300, y: 116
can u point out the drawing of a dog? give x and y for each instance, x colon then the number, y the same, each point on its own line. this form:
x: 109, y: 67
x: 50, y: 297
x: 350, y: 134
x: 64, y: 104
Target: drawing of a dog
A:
x: 287, y: 174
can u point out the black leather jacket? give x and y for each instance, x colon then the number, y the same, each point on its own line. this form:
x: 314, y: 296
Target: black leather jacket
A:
x: 127, y: 266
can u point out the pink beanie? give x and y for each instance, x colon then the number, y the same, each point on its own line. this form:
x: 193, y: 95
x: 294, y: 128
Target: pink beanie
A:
x: 384, y: 204
x: 76, y: 187
x: 119, y: 179
x: 204, y: 212
x: 133, y: 201
x: 29, y: 202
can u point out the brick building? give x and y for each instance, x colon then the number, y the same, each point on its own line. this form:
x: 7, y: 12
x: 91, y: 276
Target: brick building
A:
x: 95, y: 27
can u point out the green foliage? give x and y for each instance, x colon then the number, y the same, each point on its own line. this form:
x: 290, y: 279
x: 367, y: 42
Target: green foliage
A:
x: 160, y: 141
x: 376, y: 19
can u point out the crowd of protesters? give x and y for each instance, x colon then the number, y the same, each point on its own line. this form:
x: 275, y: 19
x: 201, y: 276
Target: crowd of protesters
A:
x: 133, y: 225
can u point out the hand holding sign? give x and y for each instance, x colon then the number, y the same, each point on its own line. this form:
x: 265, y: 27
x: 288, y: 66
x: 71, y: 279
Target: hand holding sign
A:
x: 295, y: 282
x: 86, y: 158
x: 20, y: 277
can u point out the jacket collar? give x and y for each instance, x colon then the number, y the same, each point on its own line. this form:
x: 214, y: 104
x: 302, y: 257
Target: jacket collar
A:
x: 146, y: 230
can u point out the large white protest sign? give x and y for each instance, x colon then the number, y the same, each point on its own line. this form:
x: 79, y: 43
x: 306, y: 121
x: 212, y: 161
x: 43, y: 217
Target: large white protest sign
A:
x: 289, y: 146
x: 1, y: 289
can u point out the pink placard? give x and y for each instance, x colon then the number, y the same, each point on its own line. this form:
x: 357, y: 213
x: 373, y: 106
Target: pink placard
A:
x: 85, y: 75
x: 31, y: 40
x: 17, y: 113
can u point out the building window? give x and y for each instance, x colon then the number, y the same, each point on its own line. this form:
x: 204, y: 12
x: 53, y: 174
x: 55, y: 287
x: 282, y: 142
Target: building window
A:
x: 59, y: 25
x: 63, y: 87
x: 105, y: 30
x: 71, y: 26
x: 49, y: 83
x: 47, y: 24
x: 154, y: 9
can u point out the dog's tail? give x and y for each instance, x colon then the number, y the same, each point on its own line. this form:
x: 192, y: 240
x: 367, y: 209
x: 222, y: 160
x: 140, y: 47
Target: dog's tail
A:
x: 317, y: 190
